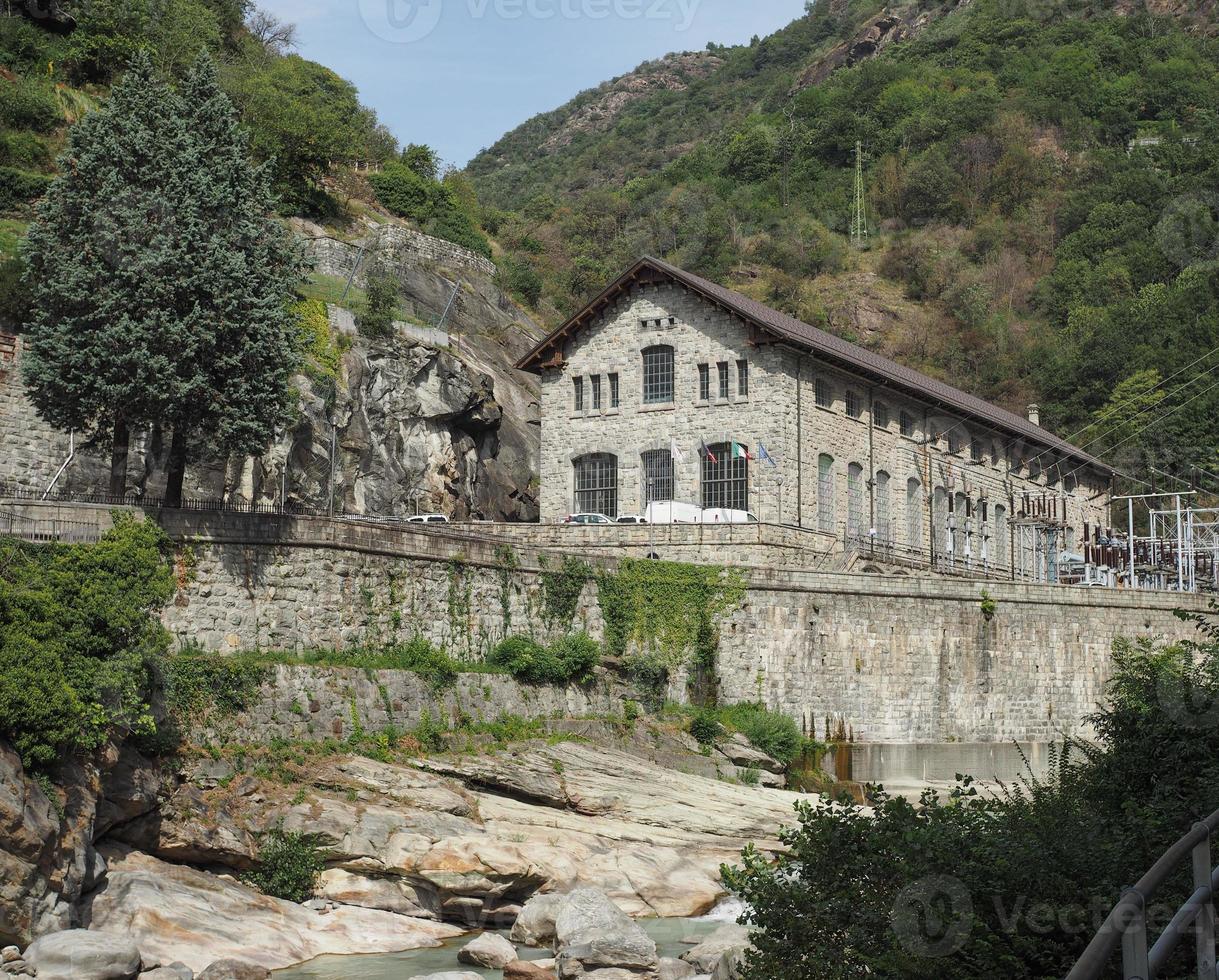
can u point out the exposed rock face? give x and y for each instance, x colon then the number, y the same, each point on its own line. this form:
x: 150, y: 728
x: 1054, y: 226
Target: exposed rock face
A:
x: 489, y: 951
x: 534, y: 924
x: 77, y: 954
x: 230, y: 969
x: 727, y: 939
x: 177, y: 913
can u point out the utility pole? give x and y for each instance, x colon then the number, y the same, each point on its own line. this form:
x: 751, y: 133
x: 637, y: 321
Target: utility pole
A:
x: 859, y: 213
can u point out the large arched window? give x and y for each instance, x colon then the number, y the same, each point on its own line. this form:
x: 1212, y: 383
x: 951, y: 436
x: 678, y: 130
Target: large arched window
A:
x: 658, y: 375
x: 855, y: 517
x: 726, y: 477
x: 884, y: 529
x: 597, y: 484
x: 825, y: 493
x: 914, y: 513
x: 657, y: 476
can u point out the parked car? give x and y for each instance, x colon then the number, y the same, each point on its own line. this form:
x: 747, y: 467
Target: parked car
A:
x: 587, y: 519
x: 428, y: 519
x: 633, y: 519
x: 671, y: 512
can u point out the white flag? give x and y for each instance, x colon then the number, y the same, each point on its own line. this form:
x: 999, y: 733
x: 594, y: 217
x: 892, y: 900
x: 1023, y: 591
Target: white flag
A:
x: 675, y: 450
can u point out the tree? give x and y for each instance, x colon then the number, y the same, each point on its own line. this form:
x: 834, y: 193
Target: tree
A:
x: 160, y: 281
x: 381, y: 304
x: 423, y: 160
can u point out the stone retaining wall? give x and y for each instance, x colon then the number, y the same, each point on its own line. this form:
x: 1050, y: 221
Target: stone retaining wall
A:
x: 899, y: 660
x: 304, y: 704
x: 333, y: 257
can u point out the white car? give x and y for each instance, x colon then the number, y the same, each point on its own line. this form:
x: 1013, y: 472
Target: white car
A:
x: 428, y: 519
x: 632, y: 519
x: 587, y: 519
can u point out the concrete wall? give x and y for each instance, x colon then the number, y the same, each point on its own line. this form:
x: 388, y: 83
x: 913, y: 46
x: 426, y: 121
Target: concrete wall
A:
x: 871, y: 461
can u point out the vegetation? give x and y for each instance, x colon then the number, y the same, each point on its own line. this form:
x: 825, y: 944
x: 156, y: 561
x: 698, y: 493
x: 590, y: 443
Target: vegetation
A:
x: 289, y: 864
x: 79, y: 634
x: 141, y: 315
x: 771, y: 731
x: 998, y: 885
x: 1043, y: 256
x: 200, y: 686
x: 569, y: 659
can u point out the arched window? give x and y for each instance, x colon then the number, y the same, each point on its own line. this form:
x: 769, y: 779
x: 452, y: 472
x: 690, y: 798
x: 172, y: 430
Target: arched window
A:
x: 726, y: 477
x: 884, y: 530
x: 825, y: 493
x: 658, y: 375
x: 961, y: 507
x: 939, y: 521
x: 597, y: 484
x: 657, y: 476
x: 999, y: 541
x: 914, y: 513
x: 855, y: 516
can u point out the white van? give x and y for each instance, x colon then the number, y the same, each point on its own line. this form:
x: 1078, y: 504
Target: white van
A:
x: 669, y: 512
x: 720, y: 515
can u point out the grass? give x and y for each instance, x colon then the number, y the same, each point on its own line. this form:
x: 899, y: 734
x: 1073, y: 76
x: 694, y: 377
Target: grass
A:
x: 11, y: 233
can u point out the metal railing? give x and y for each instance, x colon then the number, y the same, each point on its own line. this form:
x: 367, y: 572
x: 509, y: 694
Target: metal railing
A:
x: 1127, y: 923
x: 218, y: 505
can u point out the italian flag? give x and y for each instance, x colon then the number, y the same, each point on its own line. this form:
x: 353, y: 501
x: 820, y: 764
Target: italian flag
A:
x: 740, y: 452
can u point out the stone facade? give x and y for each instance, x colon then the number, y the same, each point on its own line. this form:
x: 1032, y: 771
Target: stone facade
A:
x: 877, y: 468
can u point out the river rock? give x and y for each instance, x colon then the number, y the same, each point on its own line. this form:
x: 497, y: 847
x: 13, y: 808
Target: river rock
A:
x: 178, y: 913
x: 78, y: 954
x: 742, y: 753
x: 168, y: 973
x: 592, y: 933
x: 534, y: 925
x: 451, y: 975
x: 235, y: 970
x: 490, y: 951
x: 728, y: 938
x: 671, y: 969
x: 731, y: 967
x: 388, y: 894
x: 530, y: 970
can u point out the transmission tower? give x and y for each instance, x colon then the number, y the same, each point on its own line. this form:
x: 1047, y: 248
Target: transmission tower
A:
x: 859, y: 214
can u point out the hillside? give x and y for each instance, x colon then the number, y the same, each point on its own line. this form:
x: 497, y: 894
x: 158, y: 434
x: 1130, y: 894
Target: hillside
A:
x: 1040, y: 190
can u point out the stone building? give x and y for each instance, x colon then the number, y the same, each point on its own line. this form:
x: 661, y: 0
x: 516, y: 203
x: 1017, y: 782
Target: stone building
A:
x: 670, y: 387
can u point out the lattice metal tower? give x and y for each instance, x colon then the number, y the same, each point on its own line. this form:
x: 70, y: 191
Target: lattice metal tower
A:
x: 859, y: 213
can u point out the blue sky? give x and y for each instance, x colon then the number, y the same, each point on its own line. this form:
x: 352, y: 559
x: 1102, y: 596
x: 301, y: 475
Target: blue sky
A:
x: 458, y: 74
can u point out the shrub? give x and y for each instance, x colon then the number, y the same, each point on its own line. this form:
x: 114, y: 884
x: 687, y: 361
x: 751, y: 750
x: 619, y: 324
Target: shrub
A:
x: 523, y: 658
x: 79, y: 632
x: 288, y: 865
x: 29, y: 103
x: 577, y: 655
x: 705, y: 727
x: 18, y: 187
x: 405, y: 192
x: 774, y: 733
x: 377, y: 318
x: 571, y: 658
x: 197, y: 685
x: 420, y: 657
x: 517, y: 276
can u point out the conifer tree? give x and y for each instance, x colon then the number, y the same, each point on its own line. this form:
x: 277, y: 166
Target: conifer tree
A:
x: 160, y: 280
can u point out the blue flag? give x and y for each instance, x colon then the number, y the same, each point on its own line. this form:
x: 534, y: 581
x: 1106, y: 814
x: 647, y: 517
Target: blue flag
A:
x: 764, y: 456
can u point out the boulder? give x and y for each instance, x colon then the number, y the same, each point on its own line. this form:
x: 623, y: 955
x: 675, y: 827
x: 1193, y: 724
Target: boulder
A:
x: 742, y: 753
x: 169, y: 973
x: 728, y: 938
x: 490, y: 951
x: 389, y: 894
x: 526, y: 970
x: 592, y: 933
x: 731, y: 967
x: 534, y: 924
x: 451, y: 975
x: 671, y: 969
x: 78, y: 954
x: 235, y: 970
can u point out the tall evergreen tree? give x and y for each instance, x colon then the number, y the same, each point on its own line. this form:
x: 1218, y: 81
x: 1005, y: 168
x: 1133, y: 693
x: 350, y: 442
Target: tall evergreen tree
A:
x: 160, y: 279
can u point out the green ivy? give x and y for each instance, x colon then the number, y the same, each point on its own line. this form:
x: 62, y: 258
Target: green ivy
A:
x: 561, y: 590
x: 662, y: 615
x: 509, y: 564
x: 202, y: 686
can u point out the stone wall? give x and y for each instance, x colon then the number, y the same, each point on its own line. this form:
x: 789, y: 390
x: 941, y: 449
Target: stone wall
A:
x: 898, y: 659
x: 303, y: 704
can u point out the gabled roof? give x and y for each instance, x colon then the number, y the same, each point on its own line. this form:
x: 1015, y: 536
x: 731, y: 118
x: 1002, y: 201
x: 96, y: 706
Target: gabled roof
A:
x: 819, y: 342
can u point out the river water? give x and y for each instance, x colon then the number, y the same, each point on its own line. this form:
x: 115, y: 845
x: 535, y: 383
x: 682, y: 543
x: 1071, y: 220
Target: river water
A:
x: 668, y: 933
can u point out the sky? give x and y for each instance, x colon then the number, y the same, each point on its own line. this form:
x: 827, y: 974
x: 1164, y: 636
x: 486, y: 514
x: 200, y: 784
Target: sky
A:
x: 458, y: 74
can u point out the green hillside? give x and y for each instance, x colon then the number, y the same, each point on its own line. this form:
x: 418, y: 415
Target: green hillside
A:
x: 1042, y: 194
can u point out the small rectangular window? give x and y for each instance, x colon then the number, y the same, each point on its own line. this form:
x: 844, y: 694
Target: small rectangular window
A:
x: 880, y: 415
x: 723, y: 371
x: 822, y: 394
x: 615, y: 401
x: 975, y: 450
x: 596, y: 379
x: 578, y: 387
x: 854, y: 406
x: 742, y: 378
x: 704, y: 382
x: 907, y: 424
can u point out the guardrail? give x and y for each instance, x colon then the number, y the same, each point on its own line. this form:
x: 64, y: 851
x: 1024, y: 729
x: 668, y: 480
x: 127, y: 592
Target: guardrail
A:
x: 158, y: 503
x: 1127, y: 923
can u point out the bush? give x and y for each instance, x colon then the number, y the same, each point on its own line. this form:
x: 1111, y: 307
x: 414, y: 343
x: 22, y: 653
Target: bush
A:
x: 29, y: 104
x: 377, y: 319
x: 79, y: 633
x: 705, y: 727
x: 404, y: 192
x: 571, y: 658
x: 19, y: 187
x: 198, y: 685
x: 517, y: 276
x: 774, y: 733
x: 420, y: 657
x: 288, y: 865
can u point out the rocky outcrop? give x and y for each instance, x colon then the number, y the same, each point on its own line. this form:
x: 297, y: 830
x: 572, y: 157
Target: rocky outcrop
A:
x: 593, y: 934
x: 77, y: 954
x: 174, y: 912
x: 489, y: 950
x: 728, y: 939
